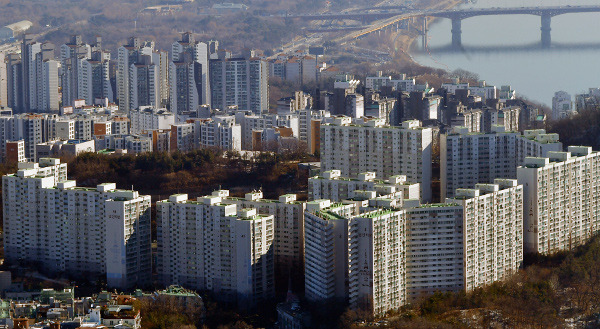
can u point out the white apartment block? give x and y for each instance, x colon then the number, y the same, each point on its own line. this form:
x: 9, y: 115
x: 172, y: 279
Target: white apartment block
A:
x: 144, y: 84
x: 377, y: 263
x: 470, y: 158
x: 561, y: 199
x: 289, y: 229
x: 375, y: 83
x: 434, y: 250
x: 562, y: 105
x: 120, y: 125
x: 135, y: 144
x: 128, y: 55
x: 183, y: 137
x: 359, y: 146
x: 355, y: 258
x: 47, y: 85
x: 50, y: 221
x: 58, y: 148
x: 189, y: 74
x: 467, y: 242
x: 32, y: 129
x: 507, y: 117
x: 326, y: 250
x: 332, y: 186
x: 254, y: 122
x: 305, y: 118
x: 482, y: 89
x: 64, y: 129
x: 402, y: 84
x: 219, y: 132
x: 493, y: 228
x: 209, y: 245
x: 241, y: 82
x: 150, y: 118
x: 471, y: 119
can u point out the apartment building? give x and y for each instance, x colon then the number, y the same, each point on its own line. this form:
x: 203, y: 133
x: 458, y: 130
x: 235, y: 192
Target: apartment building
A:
x: 359, y: 146
x: 133, y: 53
x: 251, y: 123
x: 326, y: 250
x: 209, y: 245
x: 240, y: 81
x: 58, y: 148
x: 189, y: 74
x: 63, y: 228
x: 468, y: 158
x: 377, y: 261
x: 333, y: 186
x: 288, y: 227
x: 561, y: 199
x: 150, y: 118
x: 403, y: 83
x: 131, y: 143
x: 355, y: 258
x: 219, y: 132
x: 183, y: 137
x: 472, y: 240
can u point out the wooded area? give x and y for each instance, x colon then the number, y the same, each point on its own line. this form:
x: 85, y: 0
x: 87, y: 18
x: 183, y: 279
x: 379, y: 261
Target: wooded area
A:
x: 581, y: 129
x: 117, y: 20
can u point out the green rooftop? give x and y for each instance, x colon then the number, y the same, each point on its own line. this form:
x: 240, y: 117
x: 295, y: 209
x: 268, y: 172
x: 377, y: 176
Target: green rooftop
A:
x: 377, y: 213
x: 438, y: 205
x: 329, y: 215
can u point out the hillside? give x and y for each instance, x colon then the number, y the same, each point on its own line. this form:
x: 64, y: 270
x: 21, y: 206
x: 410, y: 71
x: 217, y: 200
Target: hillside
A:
x: 116, y: 20
x: 581, y: 129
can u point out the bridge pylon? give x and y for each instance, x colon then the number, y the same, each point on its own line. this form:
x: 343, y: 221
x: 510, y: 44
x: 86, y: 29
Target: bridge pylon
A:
x: 424, y: 33
x: 456, y: 32
x: 546, y: 30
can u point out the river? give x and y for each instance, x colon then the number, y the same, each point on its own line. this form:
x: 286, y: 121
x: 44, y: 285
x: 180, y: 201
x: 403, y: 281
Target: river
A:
x: 506, y: 50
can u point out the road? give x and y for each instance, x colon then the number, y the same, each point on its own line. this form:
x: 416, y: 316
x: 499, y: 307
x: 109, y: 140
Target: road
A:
x: 318, y: 38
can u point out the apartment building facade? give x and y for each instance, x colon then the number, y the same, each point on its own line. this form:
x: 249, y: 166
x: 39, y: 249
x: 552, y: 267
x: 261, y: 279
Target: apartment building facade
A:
x: 561, y: 199
x: 209, y: 245
x: 468, y: 158
x: 63, y: 228
x: 369, y: 145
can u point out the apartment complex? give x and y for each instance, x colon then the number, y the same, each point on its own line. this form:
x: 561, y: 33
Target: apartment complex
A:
x: 359, y: 146
x: 85, y: 72
x: 51, y: 222
x: 210, y: 245
x: 32, y: 77
x: 561, y: 199
x: 468, y: 158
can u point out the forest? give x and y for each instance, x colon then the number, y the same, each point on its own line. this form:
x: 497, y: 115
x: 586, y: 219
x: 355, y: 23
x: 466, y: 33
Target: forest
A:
x: 581, y: 129
x: 117, y: 20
